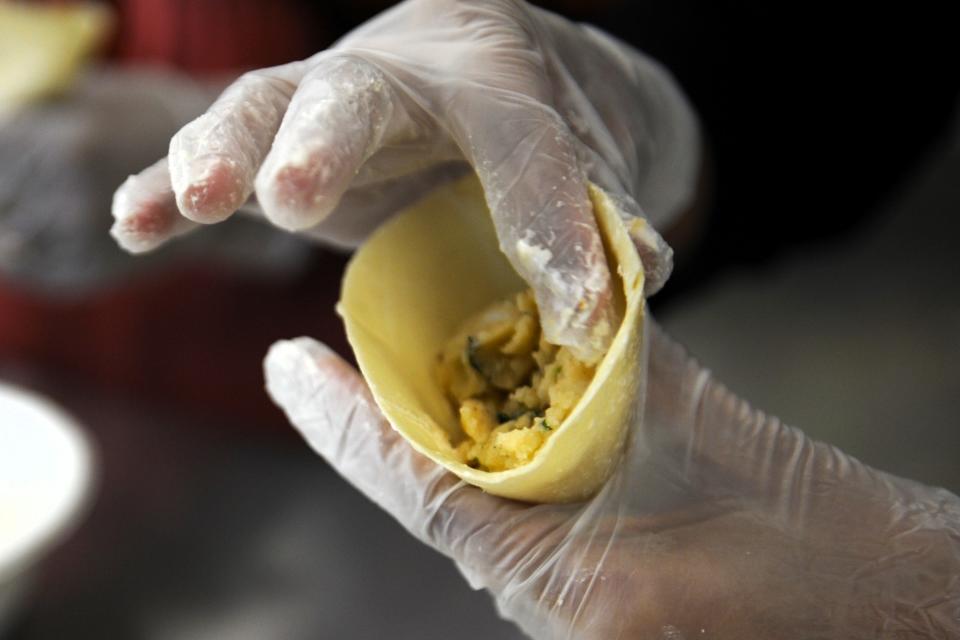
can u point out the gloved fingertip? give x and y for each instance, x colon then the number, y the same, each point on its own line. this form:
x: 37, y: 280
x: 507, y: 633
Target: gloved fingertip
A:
x: 299, y: 195
x: 573, y: 295
x: 213, y: 190
x: 325, y: 399
x: 144, y: 219
x: 589, y: 337
x: 131, y: 239
x: 293, y: 368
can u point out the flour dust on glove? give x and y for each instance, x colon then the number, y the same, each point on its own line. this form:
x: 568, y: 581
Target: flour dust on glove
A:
x: 534, y: 104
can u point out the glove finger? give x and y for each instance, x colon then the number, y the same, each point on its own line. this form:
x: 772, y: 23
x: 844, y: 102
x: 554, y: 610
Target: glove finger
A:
x: 215, y: 158
x: 526, y: 159
x: 329, y: 403
x: 339, y: 116
x: 145, y: 211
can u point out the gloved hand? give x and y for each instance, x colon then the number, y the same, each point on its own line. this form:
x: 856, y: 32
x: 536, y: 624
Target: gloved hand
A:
x: 535, y: 104
x: 720, y: 521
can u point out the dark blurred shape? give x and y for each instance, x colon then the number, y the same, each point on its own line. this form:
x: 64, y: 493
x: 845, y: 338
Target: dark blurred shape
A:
x: 814, y: 111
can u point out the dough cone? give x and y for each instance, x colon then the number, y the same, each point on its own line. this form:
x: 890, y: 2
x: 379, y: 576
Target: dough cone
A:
x: 420, y: 276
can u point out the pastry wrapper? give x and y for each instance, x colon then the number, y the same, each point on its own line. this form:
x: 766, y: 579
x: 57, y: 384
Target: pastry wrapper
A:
x: 414, y: 282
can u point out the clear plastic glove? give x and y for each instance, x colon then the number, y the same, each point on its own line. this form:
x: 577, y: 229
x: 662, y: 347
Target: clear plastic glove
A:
x: 535, y: 104
x: 720, y: 522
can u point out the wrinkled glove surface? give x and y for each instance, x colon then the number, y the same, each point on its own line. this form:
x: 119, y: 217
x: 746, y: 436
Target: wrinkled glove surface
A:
x: 720, y: 522
x: 536, y: 105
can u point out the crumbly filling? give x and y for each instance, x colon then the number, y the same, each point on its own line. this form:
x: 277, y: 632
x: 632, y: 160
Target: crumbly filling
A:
x: 511, y: 387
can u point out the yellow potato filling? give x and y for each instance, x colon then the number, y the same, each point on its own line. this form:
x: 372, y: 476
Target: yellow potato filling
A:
x: 510, y: 386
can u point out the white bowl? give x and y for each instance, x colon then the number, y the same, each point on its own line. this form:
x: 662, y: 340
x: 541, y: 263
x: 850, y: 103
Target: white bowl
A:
x: 46, y: 479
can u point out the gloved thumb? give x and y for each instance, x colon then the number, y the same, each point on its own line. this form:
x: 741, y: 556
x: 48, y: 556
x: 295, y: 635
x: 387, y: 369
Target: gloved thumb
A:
x: 330, y: 404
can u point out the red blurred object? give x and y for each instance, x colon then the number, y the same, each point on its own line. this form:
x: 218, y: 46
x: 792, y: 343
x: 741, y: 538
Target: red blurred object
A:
x: 193, y: 338
x: 209, y: 36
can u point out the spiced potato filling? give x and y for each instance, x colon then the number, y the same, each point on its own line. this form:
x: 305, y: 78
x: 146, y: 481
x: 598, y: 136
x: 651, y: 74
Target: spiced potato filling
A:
x: 510, y: 386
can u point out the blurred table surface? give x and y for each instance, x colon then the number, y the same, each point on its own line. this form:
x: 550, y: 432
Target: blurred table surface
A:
x: 202, y: 534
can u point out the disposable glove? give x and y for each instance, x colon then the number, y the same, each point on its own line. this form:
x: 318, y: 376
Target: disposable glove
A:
x: 536, y: 105
x: 720, y: 521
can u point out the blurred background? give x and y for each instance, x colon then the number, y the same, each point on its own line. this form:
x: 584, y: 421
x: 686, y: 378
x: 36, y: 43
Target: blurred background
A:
x: 820, y: 281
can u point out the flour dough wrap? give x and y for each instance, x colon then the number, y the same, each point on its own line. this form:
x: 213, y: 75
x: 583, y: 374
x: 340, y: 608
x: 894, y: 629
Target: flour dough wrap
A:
x: 413, y: 283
